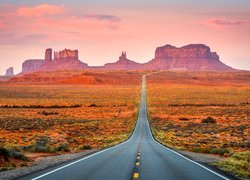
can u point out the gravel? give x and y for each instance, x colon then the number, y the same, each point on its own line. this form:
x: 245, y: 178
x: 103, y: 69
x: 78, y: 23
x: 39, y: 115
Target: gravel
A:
x: 203, y: 158
x: 42, y: 164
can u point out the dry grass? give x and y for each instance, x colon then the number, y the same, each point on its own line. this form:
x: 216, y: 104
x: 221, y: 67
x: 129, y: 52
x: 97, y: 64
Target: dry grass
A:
x: 62, y: 118
x: 208, y: 114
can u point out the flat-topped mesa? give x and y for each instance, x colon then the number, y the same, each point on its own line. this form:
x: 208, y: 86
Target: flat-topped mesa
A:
x: 32, y: 65
x: 195, y: 57
x: 194, y: 51
x: 66, y: 54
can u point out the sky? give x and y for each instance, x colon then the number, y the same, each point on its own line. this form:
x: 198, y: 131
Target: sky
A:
x: 102, y: 29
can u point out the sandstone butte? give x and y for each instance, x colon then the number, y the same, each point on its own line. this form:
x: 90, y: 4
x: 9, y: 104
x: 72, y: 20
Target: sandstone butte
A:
x: 196, y: 57
x: 10, y: 72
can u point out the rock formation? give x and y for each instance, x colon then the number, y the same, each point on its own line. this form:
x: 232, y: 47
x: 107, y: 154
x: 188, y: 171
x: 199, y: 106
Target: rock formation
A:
x: 10, y: 72
x: 66, y: 54
x: 32, y: 65
x: 194, y: 57
x: 191, y: 57
x: 63, y: 60
x: 48, y: 55
x: 122, y: 64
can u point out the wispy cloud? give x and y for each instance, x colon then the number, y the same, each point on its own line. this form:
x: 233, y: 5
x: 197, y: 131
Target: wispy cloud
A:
x: 103, y: 17
x: 40, y: 10
x: 44, y: 23
x: 225, y: 22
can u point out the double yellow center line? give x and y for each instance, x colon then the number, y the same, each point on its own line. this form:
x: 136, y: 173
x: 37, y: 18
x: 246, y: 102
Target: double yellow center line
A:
x: 137, y: 164
x: 136, y: 174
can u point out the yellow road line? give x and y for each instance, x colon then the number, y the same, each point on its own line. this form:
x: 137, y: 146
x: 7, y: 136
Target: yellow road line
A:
x: 136, y: 175
x: 137, y: 164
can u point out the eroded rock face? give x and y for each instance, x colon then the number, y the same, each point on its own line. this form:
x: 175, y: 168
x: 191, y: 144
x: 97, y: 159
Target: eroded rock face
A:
x: 194, y: 51
x: 66, y: 54
x: 122, y: 64
x: 63, y: 60
x: 197, y: 57
x: 48, y: 55
x: 10, y: 72
x: 32, y: 65
x: 191, y: 57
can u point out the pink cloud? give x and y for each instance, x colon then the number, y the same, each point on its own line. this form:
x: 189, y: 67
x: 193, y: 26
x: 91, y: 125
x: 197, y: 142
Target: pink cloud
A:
x: 39, y: 24
x: 225, y: 22
x: 40, y: 10
x: 102, y: 17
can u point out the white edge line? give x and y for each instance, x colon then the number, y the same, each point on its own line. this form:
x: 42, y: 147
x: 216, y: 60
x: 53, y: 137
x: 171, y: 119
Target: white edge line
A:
x: 190, y: 160
x: 223, y: 177
x: 58, y: 169
x: 55, y: 170
x: 67, y: 165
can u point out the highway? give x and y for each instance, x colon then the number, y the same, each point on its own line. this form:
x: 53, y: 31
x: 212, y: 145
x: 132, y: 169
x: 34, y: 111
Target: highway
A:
x: 140, y: 157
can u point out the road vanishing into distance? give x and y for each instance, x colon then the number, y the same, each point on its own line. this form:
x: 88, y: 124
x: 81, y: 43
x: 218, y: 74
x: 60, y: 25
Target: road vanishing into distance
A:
x: 140, y: 157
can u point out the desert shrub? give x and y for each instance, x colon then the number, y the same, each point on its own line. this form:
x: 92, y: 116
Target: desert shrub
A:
x: 183, y: 119
x: 86, y: 147
x: 10, y: 153
x: 39, y: 148
x: 92, y: 105
x: 62, y: 147
x: 46, y: 113
x: 201, y: 150
x: 238, y: 164
x: 4, y: 153
x: 220, y: 151
x: 41, y: 145
x: 18, y: 155
x: 209, y: 119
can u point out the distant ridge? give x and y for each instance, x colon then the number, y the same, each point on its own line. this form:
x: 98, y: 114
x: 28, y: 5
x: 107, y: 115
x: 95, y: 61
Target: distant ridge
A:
x: 195, y: 57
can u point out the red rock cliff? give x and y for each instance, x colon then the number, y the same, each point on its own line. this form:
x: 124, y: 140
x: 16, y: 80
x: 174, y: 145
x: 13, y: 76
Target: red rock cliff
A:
x: 190, y: 57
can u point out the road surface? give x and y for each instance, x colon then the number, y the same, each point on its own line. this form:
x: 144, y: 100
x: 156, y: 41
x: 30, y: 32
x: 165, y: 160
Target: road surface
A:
x: 140, y: 157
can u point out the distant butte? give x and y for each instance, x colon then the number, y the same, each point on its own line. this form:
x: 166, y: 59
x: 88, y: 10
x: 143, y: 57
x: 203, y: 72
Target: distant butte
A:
x: 197, y: 57
x: 10, y: 72
x: 63, y: 60
x: 122, y: 64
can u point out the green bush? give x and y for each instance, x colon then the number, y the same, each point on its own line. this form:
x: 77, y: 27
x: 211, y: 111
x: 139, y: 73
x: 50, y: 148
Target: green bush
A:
x: 39, y: 148
x: 220, y: 151
x: 86, y: 147
x: 209, y: 119
x: 201, y: 150
x: 11, y: 153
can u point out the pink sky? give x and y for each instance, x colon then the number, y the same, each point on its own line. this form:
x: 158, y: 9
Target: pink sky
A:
x: 100, y: 33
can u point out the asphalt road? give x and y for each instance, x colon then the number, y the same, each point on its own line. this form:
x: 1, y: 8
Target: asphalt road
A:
x: 141, y: 157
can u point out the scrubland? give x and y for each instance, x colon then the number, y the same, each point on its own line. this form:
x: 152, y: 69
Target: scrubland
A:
x: 41, y: 120
x: 205, y: 112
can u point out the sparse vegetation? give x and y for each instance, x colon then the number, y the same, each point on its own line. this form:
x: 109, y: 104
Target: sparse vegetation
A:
x: 209, y: 119
x: 183, y: 119
x: 209, y: 115
x: 47, y: 113
x: 238, y: 164
x: 60, y: 119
